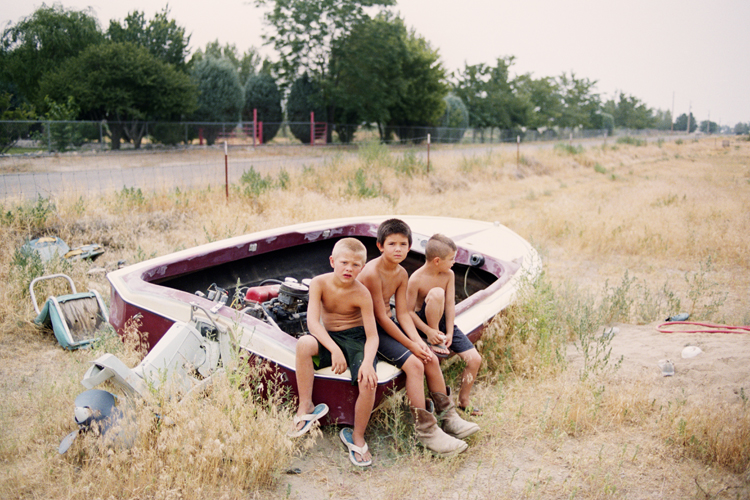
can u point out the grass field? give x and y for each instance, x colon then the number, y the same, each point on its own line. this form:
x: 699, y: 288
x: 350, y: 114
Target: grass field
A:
x: 629, y: 234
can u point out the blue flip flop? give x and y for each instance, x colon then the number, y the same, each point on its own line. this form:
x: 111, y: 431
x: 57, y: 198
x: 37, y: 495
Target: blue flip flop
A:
x: 346, y: 438
x: 319, y: 412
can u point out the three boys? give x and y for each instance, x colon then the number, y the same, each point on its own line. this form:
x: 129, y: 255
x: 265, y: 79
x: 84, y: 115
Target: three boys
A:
x: 340, y: 300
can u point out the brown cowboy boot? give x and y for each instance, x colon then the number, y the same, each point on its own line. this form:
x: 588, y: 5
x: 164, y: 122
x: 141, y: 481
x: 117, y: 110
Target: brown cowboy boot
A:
x: 432, y: 437
x: 451, y: 422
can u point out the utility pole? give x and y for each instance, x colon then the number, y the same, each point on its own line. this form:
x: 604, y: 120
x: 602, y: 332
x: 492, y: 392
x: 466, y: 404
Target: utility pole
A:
x: 690, y: 112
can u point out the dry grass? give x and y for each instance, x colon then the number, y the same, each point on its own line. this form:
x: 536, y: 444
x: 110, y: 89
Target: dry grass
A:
x: 674, y: 216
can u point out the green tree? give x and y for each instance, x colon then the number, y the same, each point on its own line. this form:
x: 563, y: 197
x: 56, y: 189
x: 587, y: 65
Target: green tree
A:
x: 581, y: 106
x: 491, y: 95
x: 123, y: 84
x: 10, y: 112
x: 161, y: 36
x: 663, y: 119
x: 741, y: 128
x: 629, y: 112
x: 42, y: 42
x: 305, y: 96
x: 220, y: 97
x: 709, y: 127
x: 262, y: 93
x: 368, y: 64
x: 681, y: 123
x: 454, y: 122
x: 544, y: 101
x: 390, y: 76
x: 304, y: 32
x: 424, y: 81
x: 246, y: 64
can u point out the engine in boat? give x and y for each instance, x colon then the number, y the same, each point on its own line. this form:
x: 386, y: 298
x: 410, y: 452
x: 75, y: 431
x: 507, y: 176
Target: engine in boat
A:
x: 283, y: 304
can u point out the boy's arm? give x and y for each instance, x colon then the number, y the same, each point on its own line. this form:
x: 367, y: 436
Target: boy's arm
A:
x: 407, y: 324
x: 450, y: 308
x: 372, y: 282
x: 435, y: 337
x: 314, y: 307
x: 366, y: 371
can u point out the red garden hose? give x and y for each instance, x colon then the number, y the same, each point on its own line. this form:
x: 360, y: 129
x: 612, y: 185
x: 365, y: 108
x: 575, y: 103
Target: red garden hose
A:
x: 704, y: 328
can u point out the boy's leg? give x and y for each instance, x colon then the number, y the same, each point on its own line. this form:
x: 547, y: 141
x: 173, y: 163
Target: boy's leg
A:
x: 415, y: 373
x: 362, y: 411
x: 434, y: 306
x: 307, y: 347
x: 434, y: 375
x: 466, y: 350
x: 473, y: 360
x: 394, y: 352
x: 451, y: 423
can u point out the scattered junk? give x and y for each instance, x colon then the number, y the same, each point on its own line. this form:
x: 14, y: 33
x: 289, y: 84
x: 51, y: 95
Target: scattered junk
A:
x: 691, y: 351
x: 184, y: 362
x: 666, y: 367
x: 49, y: 247
x: 76, y: 319
x: 679, y: 317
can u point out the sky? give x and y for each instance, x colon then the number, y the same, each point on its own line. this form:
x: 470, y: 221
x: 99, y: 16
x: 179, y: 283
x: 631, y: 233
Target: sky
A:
x: 681, y: 55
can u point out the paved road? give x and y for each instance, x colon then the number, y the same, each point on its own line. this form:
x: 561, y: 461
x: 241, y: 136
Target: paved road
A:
x: 193, y: 174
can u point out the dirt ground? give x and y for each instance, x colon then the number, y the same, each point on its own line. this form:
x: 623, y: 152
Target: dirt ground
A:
x: 625, y: 462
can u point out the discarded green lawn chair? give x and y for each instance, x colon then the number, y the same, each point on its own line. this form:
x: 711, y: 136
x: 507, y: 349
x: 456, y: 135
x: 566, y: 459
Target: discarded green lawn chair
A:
x: 76, y: 319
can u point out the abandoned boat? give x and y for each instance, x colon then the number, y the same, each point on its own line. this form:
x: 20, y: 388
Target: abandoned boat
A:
x: 256, y: 284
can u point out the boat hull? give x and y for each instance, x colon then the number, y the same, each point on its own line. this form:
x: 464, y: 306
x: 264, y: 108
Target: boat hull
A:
x: 490, y: 263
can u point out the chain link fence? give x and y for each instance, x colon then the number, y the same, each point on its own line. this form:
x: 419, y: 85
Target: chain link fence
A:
x: 78, y: 158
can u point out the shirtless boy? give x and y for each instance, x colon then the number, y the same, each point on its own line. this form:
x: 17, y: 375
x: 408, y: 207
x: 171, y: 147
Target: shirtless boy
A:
x: 347, y: 337
x: 401, y: 345
x: 430, y: 298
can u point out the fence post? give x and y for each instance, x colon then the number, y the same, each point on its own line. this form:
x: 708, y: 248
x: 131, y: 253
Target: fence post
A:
x: 226, y: 169
x: 255, y: 124
x: 312, y: 128
x: 49, y: 136
x: 518, y: 151
x: 428, y: 153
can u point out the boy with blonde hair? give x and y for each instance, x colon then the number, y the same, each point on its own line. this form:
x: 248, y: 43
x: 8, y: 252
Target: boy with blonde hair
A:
x: 401, y: 345
x: 343, y: 334
x: 430, y: 298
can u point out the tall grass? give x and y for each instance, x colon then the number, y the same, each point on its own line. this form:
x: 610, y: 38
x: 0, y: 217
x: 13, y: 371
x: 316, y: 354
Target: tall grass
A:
x: 668, y: 236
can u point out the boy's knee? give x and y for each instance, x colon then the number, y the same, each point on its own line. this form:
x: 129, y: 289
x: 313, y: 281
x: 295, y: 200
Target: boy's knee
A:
x: 367, y: 389
x: 474, y: 359
x: 307, y: 345
x: 435, y: 296
x: 413, y: 366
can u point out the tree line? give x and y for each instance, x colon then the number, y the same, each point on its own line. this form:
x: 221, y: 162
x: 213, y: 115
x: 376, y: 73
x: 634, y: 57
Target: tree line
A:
x: 350, y: 62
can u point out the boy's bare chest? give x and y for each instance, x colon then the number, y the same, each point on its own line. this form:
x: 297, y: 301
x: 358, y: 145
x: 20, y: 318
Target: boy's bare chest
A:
x: 340, y: 302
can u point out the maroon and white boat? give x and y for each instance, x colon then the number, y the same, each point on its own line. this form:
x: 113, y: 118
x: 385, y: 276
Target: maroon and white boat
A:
x: 255, y: 286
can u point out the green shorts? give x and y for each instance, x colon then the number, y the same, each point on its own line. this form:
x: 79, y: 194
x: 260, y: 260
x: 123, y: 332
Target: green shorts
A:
x: 352, y: 344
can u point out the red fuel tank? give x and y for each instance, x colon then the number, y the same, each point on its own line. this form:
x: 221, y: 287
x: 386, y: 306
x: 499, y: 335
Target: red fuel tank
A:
x: 262, y: 293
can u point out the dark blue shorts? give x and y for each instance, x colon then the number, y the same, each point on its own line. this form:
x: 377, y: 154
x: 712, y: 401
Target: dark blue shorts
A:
x: 461, y: 342
x: 391, y: 350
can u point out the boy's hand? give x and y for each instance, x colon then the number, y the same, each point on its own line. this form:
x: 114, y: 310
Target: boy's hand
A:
x: 338, y: 362
x: 448, y: 340
x: 368, y: 376
x: 421, y: 351
x: 435, y: 337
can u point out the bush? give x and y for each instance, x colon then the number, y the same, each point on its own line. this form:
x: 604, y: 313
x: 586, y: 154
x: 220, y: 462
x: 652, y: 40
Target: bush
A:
x: 304, y: 97
x: 220, y: 96
x: 262, y: 93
